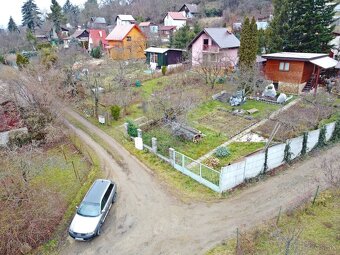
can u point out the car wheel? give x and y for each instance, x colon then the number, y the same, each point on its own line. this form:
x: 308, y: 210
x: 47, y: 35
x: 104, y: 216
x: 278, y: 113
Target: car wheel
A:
x: 114, y: 199
x: 99, y: 231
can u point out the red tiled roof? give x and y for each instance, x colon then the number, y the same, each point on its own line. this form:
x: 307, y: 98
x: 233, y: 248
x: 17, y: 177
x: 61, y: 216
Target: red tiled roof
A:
x: 120, y: 32
x: 9, y: 117
x: 177, y: 15
x: 97, y: 35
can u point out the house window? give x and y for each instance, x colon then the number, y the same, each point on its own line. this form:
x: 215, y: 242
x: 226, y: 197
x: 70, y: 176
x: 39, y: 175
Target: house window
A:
x: 154, y: 58
x: 284, y: 66
x: 205, y: 44
x: 128, y: 38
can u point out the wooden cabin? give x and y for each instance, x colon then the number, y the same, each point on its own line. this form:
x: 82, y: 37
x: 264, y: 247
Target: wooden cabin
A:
x: 294, y: 72
x: 158, y: 57
x: 126, y: 42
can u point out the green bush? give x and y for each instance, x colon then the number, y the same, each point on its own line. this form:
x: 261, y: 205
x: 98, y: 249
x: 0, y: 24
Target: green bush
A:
x: 322, y: 137
x: 2, y: 59
x: 96, y: 52
x: 336, y: 132
x: 45, y: 45
x: 222, y: 152
x: 115, y: 112
x: 132, y: 129
x: 22, y: 61
x: 164, y: 69
x: 48, y: 57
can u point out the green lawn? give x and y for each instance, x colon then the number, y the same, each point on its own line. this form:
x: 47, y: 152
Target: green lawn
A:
x: 239, y: 150
x: 319, y: 226
x: 193, y: 150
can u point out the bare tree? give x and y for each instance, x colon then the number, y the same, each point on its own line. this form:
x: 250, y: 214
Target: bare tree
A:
x: 331, y: 171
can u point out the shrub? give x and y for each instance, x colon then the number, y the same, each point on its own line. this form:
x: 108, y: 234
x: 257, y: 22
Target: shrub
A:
x: 22, y: 61
x: 96, y: 52
x: 132, y: 129
x: 2, y: 59
x: 212, y: 162
x: 336, y: 132
x: 222, y: 152
x: 322, y: 137
x: 304, y: 144
x: 45, y: 45
x: 164, y: 69
x: 48, y: 57
x: 287, y: 154
x: 115, y: 112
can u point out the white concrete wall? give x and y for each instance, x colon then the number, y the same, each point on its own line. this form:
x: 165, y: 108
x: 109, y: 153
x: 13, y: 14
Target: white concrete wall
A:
x: 275, y: 156
x: 235, y: 174
x: 232, y: 175
x: 329, y: 130
x: 4, y: 138
x: 168, y: 21
x: 296, y: 146
x: 254, y: 165
x: 313, y: 138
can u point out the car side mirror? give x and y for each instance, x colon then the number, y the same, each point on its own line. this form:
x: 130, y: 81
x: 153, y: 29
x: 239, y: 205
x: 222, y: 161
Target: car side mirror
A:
x: 103, y: 211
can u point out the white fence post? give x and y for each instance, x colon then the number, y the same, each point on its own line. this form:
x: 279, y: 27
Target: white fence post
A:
x: 154, y: 144
x: 139, y: 131
x: 172, y: 156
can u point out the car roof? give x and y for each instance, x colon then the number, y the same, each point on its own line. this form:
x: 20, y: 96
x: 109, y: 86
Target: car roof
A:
x: 97, y: 191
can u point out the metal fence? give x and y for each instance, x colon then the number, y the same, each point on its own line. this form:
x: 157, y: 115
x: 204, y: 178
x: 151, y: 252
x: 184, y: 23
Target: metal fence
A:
x: 196, y: 170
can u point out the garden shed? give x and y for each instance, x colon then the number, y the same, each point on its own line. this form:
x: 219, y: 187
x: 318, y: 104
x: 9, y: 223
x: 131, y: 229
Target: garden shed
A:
x: 159, y: 57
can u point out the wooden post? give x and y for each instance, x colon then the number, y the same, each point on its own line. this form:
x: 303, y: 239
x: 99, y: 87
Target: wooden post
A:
x: 278, y: 216
x: 317, y: 80
x: 316, y: 194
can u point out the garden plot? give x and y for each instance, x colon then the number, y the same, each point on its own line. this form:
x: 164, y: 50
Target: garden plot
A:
x: 226, y: 123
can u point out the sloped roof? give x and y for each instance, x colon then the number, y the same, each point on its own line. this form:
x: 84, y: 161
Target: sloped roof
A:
x: 125, y: 17
x: 166, y: 28
x: 193, y: 8
x: 161, y: 50
x: 325, y: 62
x: 98, y: 20
x: 78, y: 33
x: 221, y: 36
x: 299, y: 56
x: 121, y: 31
x: 97, y: 35
x: 177, y: 15
x: 144, y: 24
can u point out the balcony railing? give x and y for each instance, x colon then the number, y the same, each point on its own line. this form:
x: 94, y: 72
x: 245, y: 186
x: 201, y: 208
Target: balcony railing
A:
x: 209, y: 48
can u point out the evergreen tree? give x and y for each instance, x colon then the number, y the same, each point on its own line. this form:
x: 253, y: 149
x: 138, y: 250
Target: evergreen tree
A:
x: 183, y: 37
x: 31, y: 15
x: 249, y: 44
x: 301, y: 26
x: 56, y: 16
x: 12, y: 27
x: 275, y: 34
x: 67, y: 7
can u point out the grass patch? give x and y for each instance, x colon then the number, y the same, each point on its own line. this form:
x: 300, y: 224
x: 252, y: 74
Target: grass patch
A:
x: 72, y: 189
x: 319, y: 226
x: 193, y: 150
x: 239, y: 150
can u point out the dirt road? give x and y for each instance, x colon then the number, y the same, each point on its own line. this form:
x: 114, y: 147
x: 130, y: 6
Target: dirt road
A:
x: 148, y: 219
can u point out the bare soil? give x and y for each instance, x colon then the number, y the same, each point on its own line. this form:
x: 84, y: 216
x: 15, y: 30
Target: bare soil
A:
x: 149, y: 219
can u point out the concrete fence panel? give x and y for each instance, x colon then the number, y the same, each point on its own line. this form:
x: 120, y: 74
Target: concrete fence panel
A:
x: 275, y: 156
x: 329, y: 130
x: 254, y: 165
x: 232, y: 175
x: 296, y: 146
x: 313, y: 138
x: 4, y: 138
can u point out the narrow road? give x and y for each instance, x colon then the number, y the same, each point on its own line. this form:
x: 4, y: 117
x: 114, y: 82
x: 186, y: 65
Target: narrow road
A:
x: 148, y: 219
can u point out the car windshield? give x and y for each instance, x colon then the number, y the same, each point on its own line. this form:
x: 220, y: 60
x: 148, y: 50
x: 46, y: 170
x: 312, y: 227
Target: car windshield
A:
x: 89, y: 209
